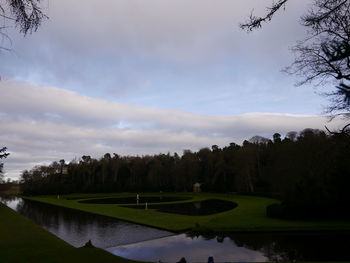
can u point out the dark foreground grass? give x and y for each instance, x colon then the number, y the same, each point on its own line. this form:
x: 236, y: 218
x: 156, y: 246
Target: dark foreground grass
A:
x: 21, y: 240
x: 250, y: 215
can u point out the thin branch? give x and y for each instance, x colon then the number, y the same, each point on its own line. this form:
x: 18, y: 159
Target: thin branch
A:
x: 344, y: 131
x: 255, y: 22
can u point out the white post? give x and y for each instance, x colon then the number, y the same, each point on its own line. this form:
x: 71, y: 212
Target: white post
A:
x: 146, y: 207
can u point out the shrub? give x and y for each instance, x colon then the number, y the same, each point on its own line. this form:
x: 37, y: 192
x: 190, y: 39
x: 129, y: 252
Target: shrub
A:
x: 325, y: 211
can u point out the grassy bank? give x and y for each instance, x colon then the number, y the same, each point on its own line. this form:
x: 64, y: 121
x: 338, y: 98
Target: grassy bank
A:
x: 250, y: 214
x: 24, y: 241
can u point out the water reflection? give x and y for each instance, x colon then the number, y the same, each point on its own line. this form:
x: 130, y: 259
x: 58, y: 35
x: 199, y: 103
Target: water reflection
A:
x: 133, y: 200
x: 9, y: 200
x: 77, y: 227
x: 119, y: 238
x: 194, y: 249
x: 199, y: 208
x: 244, y: 247
x: 298, y: 246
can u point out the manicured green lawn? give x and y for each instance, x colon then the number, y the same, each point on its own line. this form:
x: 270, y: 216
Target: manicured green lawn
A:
x: 21, y: 240
x: 248, y: 216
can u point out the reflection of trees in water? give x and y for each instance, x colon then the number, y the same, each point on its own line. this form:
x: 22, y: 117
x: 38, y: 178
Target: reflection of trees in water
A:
x: 274, y: 246
x: 133, y: 200
x: 77, y: 227
x: 206, y: 207
x: 290, y: 246
x: 300, y: 246
x: 62, y: 219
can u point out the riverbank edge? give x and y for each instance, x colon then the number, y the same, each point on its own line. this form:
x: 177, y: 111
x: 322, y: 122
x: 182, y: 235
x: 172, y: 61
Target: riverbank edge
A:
x: 24, y: 241
x: 212, y: 225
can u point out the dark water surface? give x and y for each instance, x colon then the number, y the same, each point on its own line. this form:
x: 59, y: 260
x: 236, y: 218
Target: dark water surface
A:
x: 259, y: 247
x: 76, y: 227
x: 198, y: 208
x: 148, y: 244
x: 133, y: 200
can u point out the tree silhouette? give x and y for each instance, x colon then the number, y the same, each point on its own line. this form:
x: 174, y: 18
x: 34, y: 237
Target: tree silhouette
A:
x: 255, y: 22
x: 322, y: 58
x: 25, y: 14
x: 308, y: 170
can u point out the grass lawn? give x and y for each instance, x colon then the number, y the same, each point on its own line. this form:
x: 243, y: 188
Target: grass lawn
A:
x: 21, y: 240
x: 248, y: 216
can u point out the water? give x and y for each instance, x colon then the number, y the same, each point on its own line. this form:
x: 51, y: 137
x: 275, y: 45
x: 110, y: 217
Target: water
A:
x: 76, y: 227
x: 198, y: 208
x: 133, y: 200
x: 148, y: 244
x: 244, y: 247
x: 197, y: 249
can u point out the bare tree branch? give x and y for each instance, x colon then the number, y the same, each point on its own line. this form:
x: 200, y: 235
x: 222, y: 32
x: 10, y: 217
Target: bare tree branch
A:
x: 322, y: 58
x: 254, y: 22
x: 25, y: 14
x: 345, y: 131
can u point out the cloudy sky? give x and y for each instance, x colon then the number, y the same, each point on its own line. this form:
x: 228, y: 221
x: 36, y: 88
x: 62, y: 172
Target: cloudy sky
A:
x: 144, y: 77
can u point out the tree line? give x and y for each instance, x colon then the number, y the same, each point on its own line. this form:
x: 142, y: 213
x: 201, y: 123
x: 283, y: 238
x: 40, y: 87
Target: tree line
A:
x: 307, y: 168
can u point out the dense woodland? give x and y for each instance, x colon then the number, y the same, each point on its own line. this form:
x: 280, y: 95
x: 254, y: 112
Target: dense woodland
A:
x: 308, y: 169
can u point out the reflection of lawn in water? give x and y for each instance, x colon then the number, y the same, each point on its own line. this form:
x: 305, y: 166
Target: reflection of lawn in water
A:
x: 249, y: 215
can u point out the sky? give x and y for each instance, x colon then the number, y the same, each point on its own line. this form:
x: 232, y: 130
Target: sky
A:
x: 137, y: 77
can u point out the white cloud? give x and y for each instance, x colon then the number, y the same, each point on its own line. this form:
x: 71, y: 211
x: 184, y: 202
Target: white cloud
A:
x: 43, y: 124
x: 135, y: 50
x: 162, y: 54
